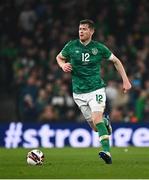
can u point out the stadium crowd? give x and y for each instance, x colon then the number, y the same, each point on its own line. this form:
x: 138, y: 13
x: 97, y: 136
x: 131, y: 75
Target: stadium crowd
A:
x: 32, y: 33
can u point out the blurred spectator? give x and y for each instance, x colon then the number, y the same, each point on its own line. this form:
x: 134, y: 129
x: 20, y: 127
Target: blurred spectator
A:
x: 28, y: 108
x: 146, y: 110
x: 117, y: 114
x: 27, y: 18
x: 121, y: 99
x: 48, y: 114
x: 42, y: 101
x: 140, y: 105
x: 27, y: 99
x: 111, y: 92
x: 130, y: 116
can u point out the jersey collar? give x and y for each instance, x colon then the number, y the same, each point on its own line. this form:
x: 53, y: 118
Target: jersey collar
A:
x: 85, y: 44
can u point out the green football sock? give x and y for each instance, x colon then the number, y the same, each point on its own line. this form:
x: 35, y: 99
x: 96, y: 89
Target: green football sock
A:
x: 105, y: 145
x: 103, y: 134
x: 105, y: 121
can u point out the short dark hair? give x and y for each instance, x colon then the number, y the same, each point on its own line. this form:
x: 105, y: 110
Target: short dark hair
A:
x: 90, y: 23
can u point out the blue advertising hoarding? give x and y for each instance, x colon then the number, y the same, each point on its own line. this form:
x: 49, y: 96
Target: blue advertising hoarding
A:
x: 28, y: 135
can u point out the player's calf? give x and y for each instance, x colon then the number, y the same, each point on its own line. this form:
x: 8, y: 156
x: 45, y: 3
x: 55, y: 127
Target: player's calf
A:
x: 107, y: 122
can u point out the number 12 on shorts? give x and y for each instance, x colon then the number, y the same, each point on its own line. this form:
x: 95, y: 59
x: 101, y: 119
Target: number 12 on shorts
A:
x: 99, y: 98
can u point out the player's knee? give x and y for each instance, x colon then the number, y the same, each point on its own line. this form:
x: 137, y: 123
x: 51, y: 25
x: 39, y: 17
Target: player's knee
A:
x: 97, y: 119
x: 92, y: 126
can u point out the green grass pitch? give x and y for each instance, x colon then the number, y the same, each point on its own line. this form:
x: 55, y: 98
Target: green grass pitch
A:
x: 76, y: 163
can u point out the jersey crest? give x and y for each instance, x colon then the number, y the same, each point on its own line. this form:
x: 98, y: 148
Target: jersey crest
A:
x: 94, y: 51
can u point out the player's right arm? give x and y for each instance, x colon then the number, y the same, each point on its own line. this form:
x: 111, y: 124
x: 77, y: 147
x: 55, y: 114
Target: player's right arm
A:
x: 61, y: 60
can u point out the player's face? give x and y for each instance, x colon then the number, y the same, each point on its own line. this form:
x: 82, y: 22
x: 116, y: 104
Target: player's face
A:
x: 85, y: 33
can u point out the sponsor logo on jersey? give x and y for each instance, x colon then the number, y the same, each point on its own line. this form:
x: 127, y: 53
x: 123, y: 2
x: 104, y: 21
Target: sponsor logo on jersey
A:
x: 77, y: 51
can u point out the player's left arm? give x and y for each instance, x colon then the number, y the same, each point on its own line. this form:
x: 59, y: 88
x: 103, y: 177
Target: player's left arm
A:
x: 120, y: 68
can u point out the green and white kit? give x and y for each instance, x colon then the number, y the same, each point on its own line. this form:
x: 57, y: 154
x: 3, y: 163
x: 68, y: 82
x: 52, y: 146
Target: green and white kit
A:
x: 88, y: 86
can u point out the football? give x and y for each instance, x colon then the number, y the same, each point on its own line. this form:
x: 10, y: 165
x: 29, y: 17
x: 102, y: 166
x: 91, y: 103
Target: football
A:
x: 35, y: 157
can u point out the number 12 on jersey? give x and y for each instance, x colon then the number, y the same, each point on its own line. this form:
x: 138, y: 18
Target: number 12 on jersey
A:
x: 85, y: 57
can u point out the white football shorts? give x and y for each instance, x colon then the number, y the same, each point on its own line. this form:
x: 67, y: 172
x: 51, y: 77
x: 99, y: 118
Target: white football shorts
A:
x: 91, y: 102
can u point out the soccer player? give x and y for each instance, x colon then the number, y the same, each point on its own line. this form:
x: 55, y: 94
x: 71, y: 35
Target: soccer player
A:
x: 82, y: 58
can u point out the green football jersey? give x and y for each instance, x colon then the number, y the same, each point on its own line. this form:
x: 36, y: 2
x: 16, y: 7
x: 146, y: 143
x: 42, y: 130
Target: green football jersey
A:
x: 86, y: 64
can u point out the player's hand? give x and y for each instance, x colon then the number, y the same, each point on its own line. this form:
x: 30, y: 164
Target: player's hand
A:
x: 67, y: 67
x: 126, y: 86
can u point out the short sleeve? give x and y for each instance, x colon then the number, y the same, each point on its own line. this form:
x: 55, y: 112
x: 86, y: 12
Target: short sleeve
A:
x: 66, y: 50
x: 106, y: 53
